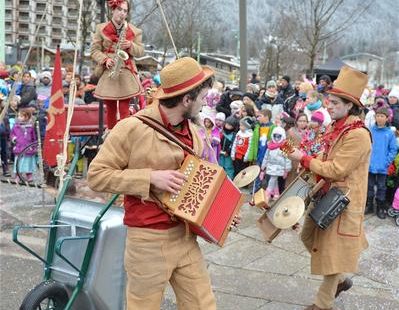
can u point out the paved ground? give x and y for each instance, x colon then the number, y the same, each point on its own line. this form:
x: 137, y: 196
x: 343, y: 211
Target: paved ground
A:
x: 247, y: 273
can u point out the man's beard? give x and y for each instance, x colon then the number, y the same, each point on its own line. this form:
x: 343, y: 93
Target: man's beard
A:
x: 188, y: 114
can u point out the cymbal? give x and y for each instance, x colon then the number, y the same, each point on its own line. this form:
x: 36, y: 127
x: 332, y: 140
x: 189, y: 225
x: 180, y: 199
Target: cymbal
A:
x: 246, y: 176
x: 288, y: 212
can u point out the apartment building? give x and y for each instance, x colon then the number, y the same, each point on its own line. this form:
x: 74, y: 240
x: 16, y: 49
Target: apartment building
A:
x: 59, y: 26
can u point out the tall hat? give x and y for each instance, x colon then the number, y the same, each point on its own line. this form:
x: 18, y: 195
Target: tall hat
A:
x: 349, y: 85
x: 181, y: 76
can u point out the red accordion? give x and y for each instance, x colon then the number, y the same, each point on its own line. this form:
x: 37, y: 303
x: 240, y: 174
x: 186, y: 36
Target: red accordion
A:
x: 208, y: 200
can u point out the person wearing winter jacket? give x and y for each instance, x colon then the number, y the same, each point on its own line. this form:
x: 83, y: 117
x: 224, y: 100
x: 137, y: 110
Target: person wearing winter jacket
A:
x: 271, y: 100
x: 383, y: 152
x: 27, y: 92
x: 226, y: 99
x: 275, y: 165
x: 22, y: 135
x: 227, y: 138
x: 240, y: 148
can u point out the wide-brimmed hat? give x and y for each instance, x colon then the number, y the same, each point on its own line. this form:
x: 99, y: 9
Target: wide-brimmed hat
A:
x: 349, y: 85
x: 181, y: 76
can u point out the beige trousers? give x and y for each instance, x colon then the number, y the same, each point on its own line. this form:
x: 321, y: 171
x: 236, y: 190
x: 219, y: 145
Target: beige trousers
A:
x: 155, y: 257
x: 326, y: 295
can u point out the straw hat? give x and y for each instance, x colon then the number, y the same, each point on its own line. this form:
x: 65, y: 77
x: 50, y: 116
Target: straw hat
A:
x: 349, y: 85
x: 181, y: 76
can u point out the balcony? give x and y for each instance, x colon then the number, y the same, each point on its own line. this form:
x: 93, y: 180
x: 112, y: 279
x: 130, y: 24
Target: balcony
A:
x: 24, y: 7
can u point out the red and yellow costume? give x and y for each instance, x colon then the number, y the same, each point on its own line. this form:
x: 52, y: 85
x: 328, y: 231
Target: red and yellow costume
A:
x: 118, y: 91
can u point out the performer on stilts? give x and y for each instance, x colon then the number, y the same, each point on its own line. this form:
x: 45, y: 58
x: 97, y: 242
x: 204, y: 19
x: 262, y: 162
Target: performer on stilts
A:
x: 114, y: 45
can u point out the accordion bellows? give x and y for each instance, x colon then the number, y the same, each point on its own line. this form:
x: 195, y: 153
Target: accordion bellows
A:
x: 208, y: 200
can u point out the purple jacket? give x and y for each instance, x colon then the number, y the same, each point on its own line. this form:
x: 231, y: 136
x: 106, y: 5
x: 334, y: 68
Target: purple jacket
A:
x: 23, y: 133
x: 211, y: 154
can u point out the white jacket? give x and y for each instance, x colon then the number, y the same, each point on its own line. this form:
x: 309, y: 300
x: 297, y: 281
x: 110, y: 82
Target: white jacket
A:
x: 275, y: 163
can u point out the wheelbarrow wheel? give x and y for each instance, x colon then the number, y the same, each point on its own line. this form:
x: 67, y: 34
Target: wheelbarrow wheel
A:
x: 47, y: 295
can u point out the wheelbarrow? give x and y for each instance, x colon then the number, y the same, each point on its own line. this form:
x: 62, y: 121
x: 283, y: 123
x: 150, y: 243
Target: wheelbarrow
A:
x: 83, y: 263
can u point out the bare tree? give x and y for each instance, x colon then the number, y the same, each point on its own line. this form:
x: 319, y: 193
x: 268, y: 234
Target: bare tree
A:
x: 280, y: 54
x: 316, y: 23
x: 186, y: 18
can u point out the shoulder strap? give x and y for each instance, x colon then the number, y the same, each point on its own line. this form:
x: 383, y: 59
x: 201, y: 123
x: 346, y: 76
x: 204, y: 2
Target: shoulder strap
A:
x: 156, y: 125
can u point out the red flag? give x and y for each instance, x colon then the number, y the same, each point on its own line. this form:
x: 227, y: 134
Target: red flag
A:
x: 56, y: 117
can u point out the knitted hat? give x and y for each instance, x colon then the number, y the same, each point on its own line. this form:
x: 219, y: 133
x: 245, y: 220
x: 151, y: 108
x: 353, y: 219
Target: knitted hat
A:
x: 394, y: 92
x: 251, y: 96
x: 45, y: 74
x: 220, y: 116
x: 382, y: 110
x: 317, y: 117
x: 236, y: 104
x: 233, y: 121
x: 287, y: 78
x: 271, y: 83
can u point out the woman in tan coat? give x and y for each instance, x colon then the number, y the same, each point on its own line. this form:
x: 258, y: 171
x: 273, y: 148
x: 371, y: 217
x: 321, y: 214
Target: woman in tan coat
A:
x: 344, y: 164
x: 116, y: 90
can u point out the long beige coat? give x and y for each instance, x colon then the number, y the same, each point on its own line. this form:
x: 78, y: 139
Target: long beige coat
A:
x: 131, y: 151
x: 128, y: 84
x: 337, y: 249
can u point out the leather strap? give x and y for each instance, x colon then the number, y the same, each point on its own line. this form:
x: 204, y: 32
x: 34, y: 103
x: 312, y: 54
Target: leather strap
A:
x: 156, y: 125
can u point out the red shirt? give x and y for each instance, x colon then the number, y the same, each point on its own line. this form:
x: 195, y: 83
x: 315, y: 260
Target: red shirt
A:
x: 148, y: 214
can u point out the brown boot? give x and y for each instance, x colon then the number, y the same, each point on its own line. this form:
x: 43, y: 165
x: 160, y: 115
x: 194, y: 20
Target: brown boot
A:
x: 344, y: 286
x: 314, y: 307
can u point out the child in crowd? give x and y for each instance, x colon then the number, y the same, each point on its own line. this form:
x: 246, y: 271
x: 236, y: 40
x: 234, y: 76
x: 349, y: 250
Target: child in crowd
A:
x: 383, y: 152
x: 235, y: 107
x: 313, y: 143
x: 240, y: 148
x: 227, y: 138
x: 219, y: 121
x: 261, y: 135
x: 212, y: 98
x: 23, y: 134
x: 210, y: 134
x: 275, y: 165
x: 296, y: 135
x: 314, y: 103
x: 247, y: 110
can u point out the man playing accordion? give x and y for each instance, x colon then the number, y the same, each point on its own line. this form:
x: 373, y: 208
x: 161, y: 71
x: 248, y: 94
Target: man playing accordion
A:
x: 141, y: 163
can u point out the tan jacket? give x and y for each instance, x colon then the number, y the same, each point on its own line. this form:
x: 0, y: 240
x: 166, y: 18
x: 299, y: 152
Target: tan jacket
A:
x: 337, y: 249
x: 128, y: 84
x: 131, y: 151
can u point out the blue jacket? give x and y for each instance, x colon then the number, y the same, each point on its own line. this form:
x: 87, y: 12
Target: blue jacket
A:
x: 383, y: 150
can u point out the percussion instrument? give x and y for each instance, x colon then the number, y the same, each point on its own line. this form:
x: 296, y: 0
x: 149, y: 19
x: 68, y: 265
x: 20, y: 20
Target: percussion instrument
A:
x: 288, y: 208
x: 246, y: 176
x: 287, y: 213
x: 208, y: 200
